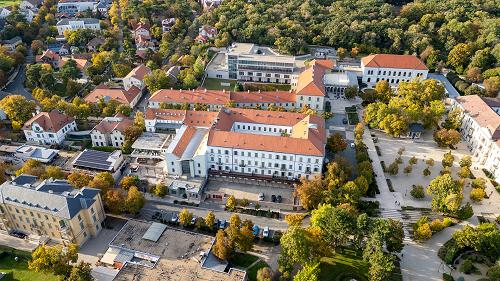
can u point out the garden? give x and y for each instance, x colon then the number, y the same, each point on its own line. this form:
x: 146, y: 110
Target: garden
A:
x: 18, y: 269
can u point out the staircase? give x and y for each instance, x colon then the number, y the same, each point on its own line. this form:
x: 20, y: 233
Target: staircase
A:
x: 406, y: 217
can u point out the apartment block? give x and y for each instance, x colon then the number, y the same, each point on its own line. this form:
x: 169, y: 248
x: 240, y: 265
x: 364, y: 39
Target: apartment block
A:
x: 51, y: 208
x: 392, y: 68
x: 48, y: 127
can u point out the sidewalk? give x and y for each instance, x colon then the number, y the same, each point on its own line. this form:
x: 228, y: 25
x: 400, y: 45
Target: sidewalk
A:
x: 16, y: 243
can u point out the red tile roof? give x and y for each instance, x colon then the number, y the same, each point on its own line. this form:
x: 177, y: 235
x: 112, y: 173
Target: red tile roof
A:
x: 393, y: 61
x: 139, y: 72
x: 479, y: 109
x: 117, y: 94
x: 118, y: 123
x: 187, y: 117
x: 263, y: 97
x: 184, y: 141
x: 191, y: 97
x: 310, y: 81
x: 50, y: 121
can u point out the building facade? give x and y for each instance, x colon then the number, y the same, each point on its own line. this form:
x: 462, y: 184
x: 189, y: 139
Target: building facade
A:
x: 72, y: 7
x: 110, y: 131
x: 392, y: 68
x: 136, y: 77
x: 77, y: 23
x: 104, y: 93
x: 481, y: 130
x: 49, y: 128
x: 52, y: 208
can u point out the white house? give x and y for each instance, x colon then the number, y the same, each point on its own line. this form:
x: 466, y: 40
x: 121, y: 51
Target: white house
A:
x: 129, y: 97
x: 166, y: 24
x: 29, y: 4
x: 5, y: 11
x: 29, y: 14
x: 49, y: 127
x: 77, y: 23
x: 136, y: 77
x: 12, y: 43
x: 392, y: 68
x: 110, y: 131
x: 481, y: 129
x: 72, y: 7
x: 266, y: 144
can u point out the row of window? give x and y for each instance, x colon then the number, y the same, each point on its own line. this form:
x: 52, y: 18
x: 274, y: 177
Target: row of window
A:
x: 392, y: 81
x: 393, y: 73
x: 262, y: 129
x: 263, y: 155
x: 259, y: 171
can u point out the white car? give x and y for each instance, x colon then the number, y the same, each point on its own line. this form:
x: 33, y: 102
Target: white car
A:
x: 265, y: 232
x: 353, y: 145
x: 261, y: 196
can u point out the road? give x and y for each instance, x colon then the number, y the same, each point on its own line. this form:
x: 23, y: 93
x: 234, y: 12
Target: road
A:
x: 150, y: 208
x: 17, y: 86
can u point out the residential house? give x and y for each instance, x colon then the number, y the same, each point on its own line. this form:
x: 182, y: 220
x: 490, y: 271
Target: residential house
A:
x: 77, y: 23
x: 481, y: 130
x: 166, y: 24
x: 206, y: 33
x: 5, y: 12
x: 94, y: 44
x: 49, y: 57
x: 49, y: 127
x: 30, y: 4
x: 111, y: 131
x: 51, y: 208
x: 209, y: 4
x: 12, y: 43
x: 59, y: 48
x: 136, y: 77
x: 392, y: 68
x: 128, y: 97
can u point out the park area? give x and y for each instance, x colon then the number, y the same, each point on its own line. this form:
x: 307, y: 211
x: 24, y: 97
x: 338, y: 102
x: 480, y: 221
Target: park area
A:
x: 18, y: 270
x: 250, y: 263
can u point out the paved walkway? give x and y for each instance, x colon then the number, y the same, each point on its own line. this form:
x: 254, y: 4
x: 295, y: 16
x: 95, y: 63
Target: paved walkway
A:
x: 16, y: 243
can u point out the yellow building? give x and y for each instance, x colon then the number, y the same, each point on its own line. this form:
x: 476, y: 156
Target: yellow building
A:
x: 51, y: 208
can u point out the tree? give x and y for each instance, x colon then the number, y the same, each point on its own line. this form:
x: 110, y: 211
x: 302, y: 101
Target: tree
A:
x: 477, y: 194
x: 264, y: 274
x: 446, y: 194
x: 18, y: 109
x: 350, y: 92
x: 381, y: 264
x: 454, y: 119
x: 430, y: 162
x: 69, y: 70
x: 159, y: 190
x: 102, y: 181
x: 81, y: 272
x: 413, y: 160
x: 417, y: 191
x: 466, y: 161
x: 129, y: 181
x: 310, y: 192
x: 231, y: 203
x: 297, y: 246
x: 474, y: 74
x: 53, y: 172
x: 210, y: 220
x: 124, y: 109
x: 294, y: 219
x: 384, y: 91
x: 222, y: 248
x: 426, y: 172
x: 448, y: 159
x: 407, y: 170
x: 55, y: 259
x: 114, y: 200
x: 464, y: 172
x: 478, y: 183
x: 139, y: 122
x: 135, y: 200
x: 393, y: 168
x: 335, y: 224
x: 482, y: 59
x: 245, y: 239
x: 447, y: 138
x: 484, y: 238
x: 79, y: 179
x: 309, y: 272
x: 336, y: 143
x: 341, y: 52
x: 459, y: 56
x: 185, y: 217
x: 423, y: 232
x: 32, y: 167
x: 157, y: 80
x: 121, y: 70
x: 492, y: 86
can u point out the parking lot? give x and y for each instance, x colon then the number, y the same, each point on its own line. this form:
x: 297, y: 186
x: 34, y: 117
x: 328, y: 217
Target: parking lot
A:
x: 250, y: 190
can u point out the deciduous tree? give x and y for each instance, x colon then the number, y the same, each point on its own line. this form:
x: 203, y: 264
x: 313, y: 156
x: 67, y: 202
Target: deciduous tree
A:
x: 135, y: 200
x: 185, y: 217
x: 79, y: 179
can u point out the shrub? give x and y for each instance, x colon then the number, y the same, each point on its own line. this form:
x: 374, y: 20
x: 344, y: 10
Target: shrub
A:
x: 467, y: 267
x: 479, y: 183
x: 464, y: 172
x: 417, y: 192
x: 423, y: 232
x: 393, y: 169
x: 437, y: 225
x: 465, y: 212
x: 413, y: 160
x: 494, y: 272
x: 407, y: 170
x: 426, y: 172
x: 399, y: 160
x: 449, y: 251
x: 447, y: 222
x: 477, y: 194
x: 447, y: 277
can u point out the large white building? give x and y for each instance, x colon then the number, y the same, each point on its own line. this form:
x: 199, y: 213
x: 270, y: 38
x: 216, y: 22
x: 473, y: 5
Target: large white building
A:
x: 72, y: 7
x: 77, y: 23
x: 253, y: 63
x: 481, y: 129
x: 110, y: 131
x: 392, y: 68
x: 266, y: 144
x: 49, y: 127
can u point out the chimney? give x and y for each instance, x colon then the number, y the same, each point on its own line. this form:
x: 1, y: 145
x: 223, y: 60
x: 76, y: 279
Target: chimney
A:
x: 205, y: 90
x: 223, y: 90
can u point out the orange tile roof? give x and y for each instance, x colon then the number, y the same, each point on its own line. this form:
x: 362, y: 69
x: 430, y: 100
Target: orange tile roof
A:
x: 263, y: 97
x: 50, y: 121
x: 312, y: 142
x: 191, y: 97
x: 108, y: 125
x: 117, y: 94
x: 184, y: 141
x: 310, y: 81
x: 393, y: 61
x: 479, y: 109
x: 80, y: 63
x: 187, y: 117
x: 139, y: 72
x: 165, y: 114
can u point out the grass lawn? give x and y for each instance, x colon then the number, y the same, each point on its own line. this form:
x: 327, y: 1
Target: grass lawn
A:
x: 243, y: 260
x: 344, y: 266
x: 6, y: 3
x: 352, y: 115
x: 247, y: 86
x: 252, y: 272
x: 215, y: 84
x: 20, y: 270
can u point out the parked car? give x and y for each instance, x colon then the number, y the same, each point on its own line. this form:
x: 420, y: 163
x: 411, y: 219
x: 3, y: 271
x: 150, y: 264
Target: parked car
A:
x: 273, y: 198
x: 265, y: 232
x: 222, y: 224
x: 261, y: 196
x: 193, y: 220
x: 156, y: 216
x: 344, y: 121
x: 353, y: 145
x: 18, y: 234
x: 256, y: 230
x: 175, y: 218
x: 279, y: 199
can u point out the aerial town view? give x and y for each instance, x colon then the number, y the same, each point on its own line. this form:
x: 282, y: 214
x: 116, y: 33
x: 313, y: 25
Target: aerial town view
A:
x: 250, y: 140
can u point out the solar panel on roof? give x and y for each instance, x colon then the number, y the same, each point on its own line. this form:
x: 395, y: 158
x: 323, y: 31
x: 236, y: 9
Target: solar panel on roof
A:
x: 94, y: 159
